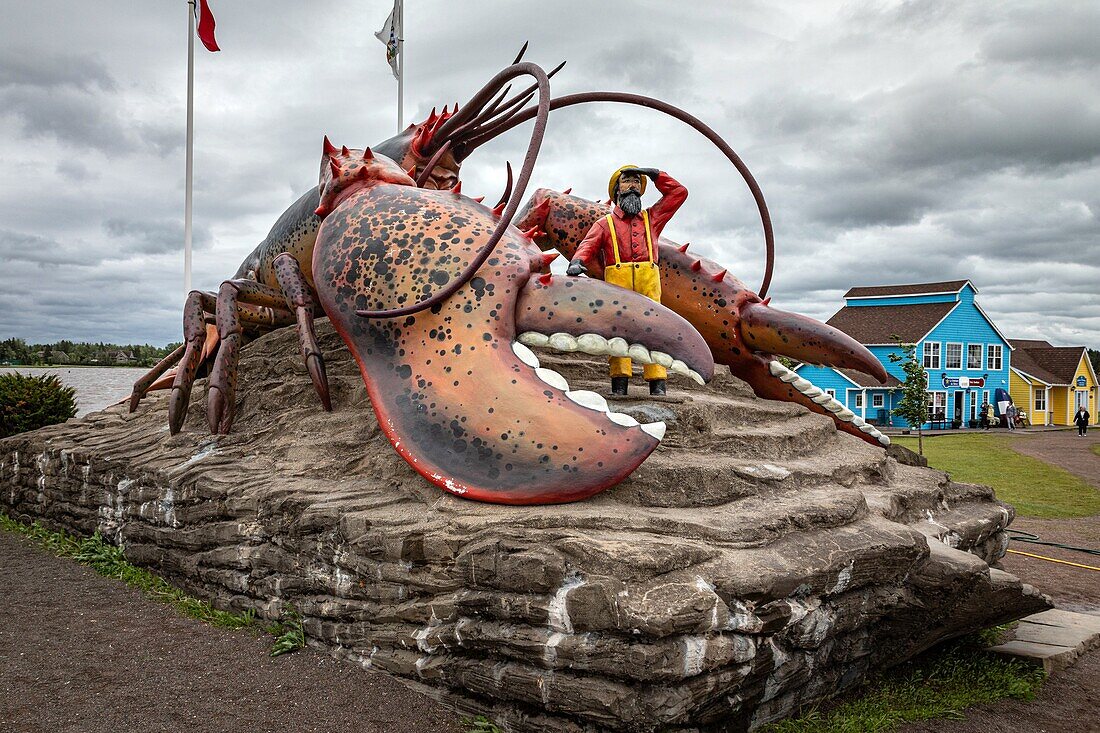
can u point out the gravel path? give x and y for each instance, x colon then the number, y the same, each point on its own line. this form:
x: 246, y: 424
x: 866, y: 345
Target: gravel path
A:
x: 80, y: 653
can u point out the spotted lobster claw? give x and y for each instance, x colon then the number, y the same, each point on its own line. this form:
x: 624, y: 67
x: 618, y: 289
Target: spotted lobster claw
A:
x: 743, y: 331
x: 461, y: 399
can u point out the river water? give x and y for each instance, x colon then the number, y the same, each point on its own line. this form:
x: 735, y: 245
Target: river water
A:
x: 96, y: 387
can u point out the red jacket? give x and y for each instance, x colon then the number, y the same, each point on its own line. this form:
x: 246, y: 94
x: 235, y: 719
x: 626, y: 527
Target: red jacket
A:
x: 630, y: 230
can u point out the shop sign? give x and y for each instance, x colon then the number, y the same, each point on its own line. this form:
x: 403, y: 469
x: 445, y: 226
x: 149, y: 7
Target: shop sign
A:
x: 963, y: 382
x: 1081, y: 382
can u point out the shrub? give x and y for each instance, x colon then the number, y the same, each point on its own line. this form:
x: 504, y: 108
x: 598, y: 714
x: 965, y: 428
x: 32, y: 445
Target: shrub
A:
x: 29, y: 402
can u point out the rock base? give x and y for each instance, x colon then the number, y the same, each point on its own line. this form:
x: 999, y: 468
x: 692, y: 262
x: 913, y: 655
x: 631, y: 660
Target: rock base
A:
x: 756, y: 562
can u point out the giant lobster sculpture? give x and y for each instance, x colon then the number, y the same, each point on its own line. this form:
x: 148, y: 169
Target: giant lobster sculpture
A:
x: 438, y: 298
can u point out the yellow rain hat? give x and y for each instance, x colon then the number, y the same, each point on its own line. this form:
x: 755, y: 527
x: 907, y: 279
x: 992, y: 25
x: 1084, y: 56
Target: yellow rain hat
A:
x: 614, y: 182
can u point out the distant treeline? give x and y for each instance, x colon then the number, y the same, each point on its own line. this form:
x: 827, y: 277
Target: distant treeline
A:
x: 1094, y: 357
x: 19, y: 352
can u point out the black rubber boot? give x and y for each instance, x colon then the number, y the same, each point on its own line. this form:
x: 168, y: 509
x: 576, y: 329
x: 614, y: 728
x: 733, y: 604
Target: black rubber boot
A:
x: 619, y: 385
x: 657, y: 386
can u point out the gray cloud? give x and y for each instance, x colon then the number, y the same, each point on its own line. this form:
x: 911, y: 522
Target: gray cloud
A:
x: 155, y: 237
x: 648, y: 64
x: 37, y: 67
x: 1046, y: 36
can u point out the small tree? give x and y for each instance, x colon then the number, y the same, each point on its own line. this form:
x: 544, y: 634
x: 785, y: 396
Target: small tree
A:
x: 914, y: 390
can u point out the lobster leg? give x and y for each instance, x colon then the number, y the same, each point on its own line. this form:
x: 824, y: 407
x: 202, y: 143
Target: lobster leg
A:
x: 142, y: 385
x: 194, y: 336
x: 299, y: 298
x: 222, y: 387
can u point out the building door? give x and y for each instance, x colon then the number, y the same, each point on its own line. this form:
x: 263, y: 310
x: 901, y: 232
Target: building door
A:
x: 1081, y: 399
x: 958, y: 407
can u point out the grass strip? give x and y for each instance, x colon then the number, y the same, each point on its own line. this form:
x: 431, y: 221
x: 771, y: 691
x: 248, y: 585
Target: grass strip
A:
x: 939, y: 684
x: 1035, y: 487
x: 109, y: 561
x: 480, y: 724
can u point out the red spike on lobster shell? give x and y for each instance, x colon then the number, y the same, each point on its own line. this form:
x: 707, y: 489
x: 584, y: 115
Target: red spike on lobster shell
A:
x: 412, y: 172
x: 532, y: 232
x: 368, y: 154
x: 546, y: 279
x: 457, y: 189
x: 498, y: 209
x: 329, y: 148
x: 696, y: 266
x: 335, y: 168
x: 719, y: 277
x: 438, y: 124
x: 567, y: 191
x: 683, y: 248
x: 344, y: 150
x: 479, y: 199
x: 548, y: 257
x: 766, y: 301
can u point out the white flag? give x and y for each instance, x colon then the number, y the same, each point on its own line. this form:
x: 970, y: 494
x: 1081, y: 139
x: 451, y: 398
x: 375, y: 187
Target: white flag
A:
x: 389, y: 35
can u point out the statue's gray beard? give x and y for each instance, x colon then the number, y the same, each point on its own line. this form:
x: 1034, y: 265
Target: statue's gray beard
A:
x: 630, y: 202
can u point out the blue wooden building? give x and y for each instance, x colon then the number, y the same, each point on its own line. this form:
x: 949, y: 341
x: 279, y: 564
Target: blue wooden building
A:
x: 965, y: 354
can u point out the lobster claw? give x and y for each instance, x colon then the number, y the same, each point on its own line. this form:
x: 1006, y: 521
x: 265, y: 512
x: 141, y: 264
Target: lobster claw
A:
x: 772, y: 331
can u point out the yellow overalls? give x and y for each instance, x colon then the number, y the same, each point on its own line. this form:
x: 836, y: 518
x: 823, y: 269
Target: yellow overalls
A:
x: 641, y: 277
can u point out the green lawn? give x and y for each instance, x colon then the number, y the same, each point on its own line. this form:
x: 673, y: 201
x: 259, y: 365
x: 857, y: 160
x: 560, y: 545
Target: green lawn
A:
x: 1034, y: 487
x: 1096, y: 449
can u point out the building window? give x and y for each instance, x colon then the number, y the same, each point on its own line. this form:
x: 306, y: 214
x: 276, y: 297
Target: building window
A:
x: 859, y: 399
x: 937, y: 403
x: 1040, y: 400
x: 993, y: 357
x: 974, y: 356
x: 931, y: 355
x: 954, y: 357
x: 831, y: 393
x: 974, y: 406
x: 877, y: 400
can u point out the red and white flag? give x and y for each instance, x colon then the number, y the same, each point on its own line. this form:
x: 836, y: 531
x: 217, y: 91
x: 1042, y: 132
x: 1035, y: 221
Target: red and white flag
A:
x: 206, y: 27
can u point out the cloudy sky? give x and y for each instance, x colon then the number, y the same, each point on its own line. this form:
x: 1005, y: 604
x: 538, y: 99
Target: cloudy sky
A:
x: 894, y: 141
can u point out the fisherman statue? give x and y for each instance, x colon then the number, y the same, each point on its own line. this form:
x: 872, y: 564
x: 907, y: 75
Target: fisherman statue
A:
x: 626, y: 243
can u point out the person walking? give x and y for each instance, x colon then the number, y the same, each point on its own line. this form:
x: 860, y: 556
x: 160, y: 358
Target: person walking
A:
x: 1081, y: 419
x: 1010, y: 415
x: 983, y: 411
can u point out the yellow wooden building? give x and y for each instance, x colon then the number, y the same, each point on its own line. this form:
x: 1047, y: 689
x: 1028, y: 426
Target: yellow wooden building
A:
x: 1050, y: 382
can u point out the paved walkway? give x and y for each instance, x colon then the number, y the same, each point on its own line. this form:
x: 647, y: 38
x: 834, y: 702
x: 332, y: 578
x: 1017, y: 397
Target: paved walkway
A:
x: 978, y: 431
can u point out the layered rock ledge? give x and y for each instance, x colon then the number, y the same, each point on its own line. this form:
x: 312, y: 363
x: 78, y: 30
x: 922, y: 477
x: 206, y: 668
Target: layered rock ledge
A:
x: 759, y: 560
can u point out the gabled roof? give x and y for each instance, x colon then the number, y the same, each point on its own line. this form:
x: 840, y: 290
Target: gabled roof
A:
x: 875, y: 324
x: 1052, y: 364
x: 886, y: 291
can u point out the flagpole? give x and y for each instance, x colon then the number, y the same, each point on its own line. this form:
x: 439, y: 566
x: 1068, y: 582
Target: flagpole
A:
x: 400, y: 65
x: 190, y: 145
